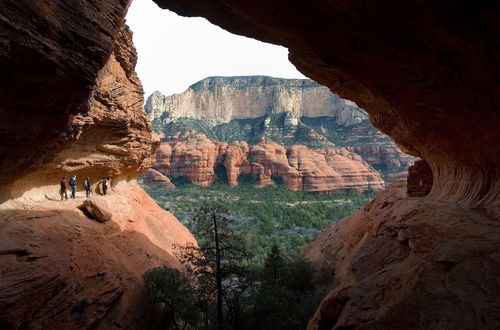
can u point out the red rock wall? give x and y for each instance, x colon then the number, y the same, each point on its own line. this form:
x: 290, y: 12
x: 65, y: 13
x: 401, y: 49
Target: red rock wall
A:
x: 50, y: 55
x: 194, y: 157
x: 408, y: 263
x: 60, y: 268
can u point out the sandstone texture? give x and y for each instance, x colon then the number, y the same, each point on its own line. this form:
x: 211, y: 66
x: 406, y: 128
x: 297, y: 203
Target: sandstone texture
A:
x: 61, y: 269
x: 252, y: 97
x: 409, y: 263
x: 50, y: 56
x: 419, y: 181
x: 197, y: 159
x: 152, y: 176
x: 78, y: 264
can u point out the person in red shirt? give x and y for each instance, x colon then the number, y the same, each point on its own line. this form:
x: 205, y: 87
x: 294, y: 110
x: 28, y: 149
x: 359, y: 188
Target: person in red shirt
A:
x: 63, y: 191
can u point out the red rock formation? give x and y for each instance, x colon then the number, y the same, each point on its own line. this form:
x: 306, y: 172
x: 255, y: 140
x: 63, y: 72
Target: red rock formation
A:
x: 273, y: 159
x: 154, y: 177
x: 236, y: 162
x: 431, y: 84
x: 61, y: 268
x: 50, y: 55
x: 390, y: 158
x: 196, y: 158
x: 419, y: 182
x: 408, y: 263
x: 191, y: 156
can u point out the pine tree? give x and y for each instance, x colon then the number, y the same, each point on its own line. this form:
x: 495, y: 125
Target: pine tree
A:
x: 216, y: 262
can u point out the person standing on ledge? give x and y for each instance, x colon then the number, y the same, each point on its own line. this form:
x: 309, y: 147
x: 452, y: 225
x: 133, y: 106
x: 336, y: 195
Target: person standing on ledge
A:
x: 105, y: 183
x: 62, y: 190
x: 72, y: 184
x: 86, y: 184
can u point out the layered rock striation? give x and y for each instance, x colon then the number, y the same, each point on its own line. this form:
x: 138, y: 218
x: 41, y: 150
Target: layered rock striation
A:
x: 79, y: 263
x: 199, y: 160
x: 288, y: 111
x: 408, y: 263
x: 252, y: 97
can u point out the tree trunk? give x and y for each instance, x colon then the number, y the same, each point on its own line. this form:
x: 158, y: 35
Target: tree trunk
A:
x: 218, y: 276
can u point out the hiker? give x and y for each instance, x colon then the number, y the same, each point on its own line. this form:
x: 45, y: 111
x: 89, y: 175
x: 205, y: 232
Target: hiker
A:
x: 105, y: 183
x: 86, y: 184
x: 62, y: 190
x: 72, y: 184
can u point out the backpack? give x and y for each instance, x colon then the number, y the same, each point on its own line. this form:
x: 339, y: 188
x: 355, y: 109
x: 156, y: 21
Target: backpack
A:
x: 72, y: 182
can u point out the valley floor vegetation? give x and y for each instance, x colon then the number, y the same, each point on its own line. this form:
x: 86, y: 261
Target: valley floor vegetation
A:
x: 263, y: 215
x: 218, y: 289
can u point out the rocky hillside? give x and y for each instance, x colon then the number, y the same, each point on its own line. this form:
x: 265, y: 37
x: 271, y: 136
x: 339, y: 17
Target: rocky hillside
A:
x: 286, y: 111
x: 201, y: 161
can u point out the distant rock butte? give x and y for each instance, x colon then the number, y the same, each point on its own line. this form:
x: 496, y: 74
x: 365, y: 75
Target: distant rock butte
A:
x: 287, y: 111
x: 221, y: 99
x: 198, y: 159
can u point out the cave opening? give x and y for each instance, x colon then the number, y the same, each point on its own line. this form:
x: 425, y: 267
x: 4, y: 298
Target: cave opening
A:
x: 240, y: 126
x: 72, y: 104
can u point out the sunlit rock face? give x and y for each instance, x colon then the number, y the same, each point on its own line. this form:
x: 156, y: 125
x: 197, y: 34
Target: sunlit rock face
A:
x: 197, y: 159
x: 220, y: 99
x: 287, y: 111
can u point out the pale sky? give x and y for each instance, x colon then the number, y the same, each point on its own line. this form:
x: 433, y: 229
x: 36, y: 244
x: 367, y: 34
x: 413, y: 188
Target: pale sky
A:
x: 175, y: 52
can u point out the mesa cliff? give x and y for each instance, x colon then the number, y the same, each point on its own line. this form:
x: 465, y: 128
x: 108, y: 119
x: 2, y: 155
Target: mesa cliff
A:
x: 79, y: 263
x: 287, y: 111
x: 252, y: 97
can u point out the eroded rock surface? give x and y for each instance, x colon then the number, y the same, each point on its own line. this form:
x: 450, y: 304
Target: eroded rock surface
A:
x: 62, y: 269
x: 50, y: 56
x: 287, y: 111
x: 198, y: 159
x: 154, y: 177
x: 66, y: 268
x: 409, y: 263
x: 253, y: 97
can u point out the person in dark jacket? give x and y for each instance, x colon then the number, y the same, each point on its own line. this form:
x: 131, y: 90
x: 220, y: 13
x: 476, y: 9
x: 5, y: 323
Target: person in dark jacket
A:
x: 62, y: 190
x: 105, y: 184
x: 72, y: 184
x: 86, y: 184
